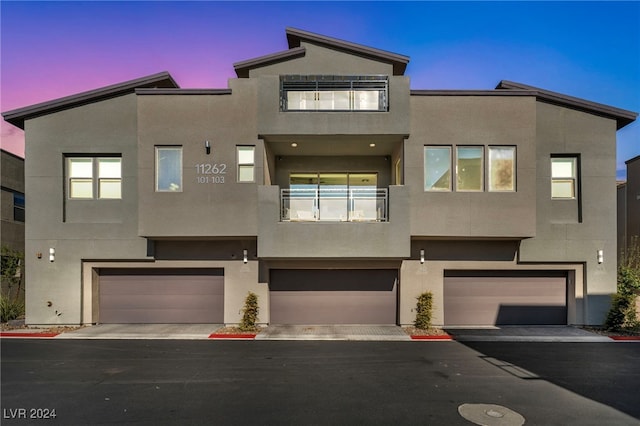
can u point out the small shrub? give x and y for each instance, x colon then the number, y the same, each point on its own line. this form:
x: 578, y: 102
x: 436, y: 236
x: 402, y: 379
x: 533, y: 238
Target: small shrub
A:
x: 424, y: 310
x: 10, y: 309
x: 622, y: 314
x: 249, y: 313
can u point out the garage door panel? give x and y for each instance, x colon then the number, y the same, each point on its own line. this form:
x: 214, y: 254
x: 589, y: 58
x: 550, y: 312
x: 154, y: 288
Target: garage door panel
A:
x: 505, y: 300
x: 333, y: 296
x: 148, y: 296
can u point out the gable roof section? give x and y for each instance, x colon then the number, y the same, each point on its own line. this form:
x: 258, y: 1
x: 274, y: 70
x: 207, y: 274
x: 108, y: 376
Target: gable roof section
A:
x: 295, y: 38
x: 18, y: 116
x: 622, y: 117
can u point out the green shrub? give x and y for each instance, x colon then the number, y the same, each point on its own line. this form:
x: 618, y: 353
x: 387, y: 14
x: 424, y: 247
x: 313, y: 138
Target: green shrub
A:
x: 622, y: 314
x: 249, y: 313
x: 10, y: 309
x: 424, y: 310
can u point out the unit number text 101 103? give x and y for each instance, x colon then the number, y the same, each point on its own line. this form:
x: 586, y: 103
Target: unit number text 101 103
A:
x: 211, y: 169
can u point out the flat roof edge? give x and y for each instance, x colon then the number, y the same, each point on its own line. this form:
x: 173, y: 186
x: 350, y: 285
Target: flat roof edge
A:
x: 454, y: 92
x: 178, y: 91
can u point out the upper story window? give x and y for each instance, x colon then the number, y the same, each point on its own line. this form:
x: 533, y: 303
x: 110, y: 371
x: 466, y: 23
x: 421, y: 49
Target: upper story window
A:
x: 246, y: 163
x: 18, y: 207
x: 564, y: 177
x: 94, y: 177
x: 334, y: 93
x: 168, y: 169
x: 470, y: 168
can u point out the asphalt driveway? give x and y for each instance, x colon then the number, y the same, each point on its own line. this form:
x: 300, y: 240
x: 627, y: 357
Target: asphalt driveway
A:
x: 307, y: 383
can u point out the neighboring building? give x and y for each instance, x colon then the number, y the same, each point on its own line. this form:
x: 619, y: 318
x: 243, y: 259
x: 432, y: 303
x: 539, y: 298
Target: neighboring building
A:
x: 629, y: 207
x: 12, y: 208
x: 319, y: 181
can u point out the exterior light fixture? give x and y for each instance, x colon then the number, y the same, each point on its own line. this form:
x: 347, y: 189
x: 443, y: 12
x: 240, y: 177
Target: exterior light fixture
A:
x: 207, y: 147
x: 372, y: 145
x: 294, y: 145
x: 52, y: 254
x: 600, y: 256
x: 421, y: 255
x: 245, y: 259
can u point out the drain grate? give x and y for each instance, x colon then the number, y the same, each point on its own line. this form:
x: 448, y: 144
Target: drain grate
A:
x: 490, y: 415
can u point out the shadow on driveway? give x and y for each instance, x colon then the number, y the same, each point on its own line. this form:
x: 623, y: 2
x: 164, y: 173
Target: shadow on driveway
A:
x: 603, y: 372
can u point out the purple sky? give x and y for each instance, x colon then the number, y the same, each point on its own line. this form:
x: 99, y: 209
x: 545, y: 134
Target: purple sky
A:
x: 589, y: 50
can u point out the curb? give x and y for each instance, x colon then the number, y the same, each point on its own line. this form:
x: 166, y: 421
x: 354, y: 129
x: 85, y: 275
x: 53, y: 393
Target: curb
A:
x: 232, y: 336
x: 29, y: 335
x: 625, y: 338
x: 441, y: 338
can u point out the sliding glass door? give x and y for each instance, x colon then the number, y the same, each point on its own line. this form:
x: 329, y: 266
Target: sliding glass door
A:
x: 333, y: 196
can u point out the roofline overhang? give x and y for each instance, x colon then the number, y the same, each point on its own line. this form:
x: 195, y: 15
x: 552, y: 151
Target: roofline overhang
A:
x: 18, y: 116
x: 242, y: 68
x: 399, y: 62
x: 621, y: 116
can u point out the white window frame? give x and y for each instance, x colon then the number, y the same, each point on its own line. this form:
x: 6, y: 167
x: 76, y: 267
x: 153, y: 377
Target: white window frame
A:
x: 561, y: 176
x: 174, y: 186
x: 457, y: 167
x: 450, y: 168
x: 490, y: 177
x: 244, y: 164
x: 94, y: 178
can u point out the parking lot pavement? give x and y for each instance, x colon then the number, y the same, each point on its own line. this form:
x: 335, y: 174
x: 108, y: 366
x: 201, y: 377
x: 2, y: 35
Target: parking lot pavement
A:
x: 318, y: 382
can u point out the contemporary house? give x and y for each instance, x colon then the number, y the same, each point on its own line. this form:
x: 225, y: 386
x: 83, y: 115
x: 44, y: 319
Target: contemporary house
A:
x: 322, y: 183
x: 629, y: 207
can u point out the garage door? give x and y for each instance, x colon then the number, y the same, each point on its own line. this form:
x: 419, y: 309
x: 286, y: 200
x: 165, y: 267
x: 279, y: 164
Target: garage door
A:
x: 333, y: 296
x: 163, y: 296
x: 522, y: 298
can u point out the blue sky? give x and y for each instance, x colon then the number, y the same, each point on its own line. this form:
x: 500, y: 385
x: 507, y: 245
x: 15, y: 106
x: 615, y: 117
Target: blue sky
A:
x: 589, y: 50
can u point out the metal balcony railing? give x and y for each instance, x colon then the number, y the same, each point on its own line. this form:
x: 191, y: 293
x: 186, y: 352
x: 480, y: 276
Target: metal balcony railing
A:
x: 334, y: 204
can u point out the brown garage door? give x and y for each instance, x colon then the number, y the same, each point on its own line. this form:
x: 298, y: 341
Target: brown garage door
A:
x: 505, y: 298
x: 333, y: 296
x: 161, y: 296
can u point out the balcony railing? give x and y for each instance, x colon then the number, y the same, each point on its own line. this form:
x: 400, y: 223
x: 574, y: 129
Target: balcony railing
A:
x: 334, y: 204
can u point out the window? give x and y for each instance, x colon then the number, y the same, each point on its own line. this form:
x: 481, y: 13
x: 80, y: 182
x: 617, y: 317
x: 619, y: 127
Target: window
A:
x: 169, y: 169
x: 469, y: 168
x: 246, y: 163
x: 18, y: 207
x: 333, y: 93
x: 564, y: 177
x: 94, y: 177
x: 502, y: 168
x: 437, y: 168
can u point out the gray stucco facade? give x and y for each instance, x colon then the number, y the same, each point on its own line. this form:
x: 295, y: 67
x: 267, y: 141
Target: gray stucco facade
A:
x: 332, y: 192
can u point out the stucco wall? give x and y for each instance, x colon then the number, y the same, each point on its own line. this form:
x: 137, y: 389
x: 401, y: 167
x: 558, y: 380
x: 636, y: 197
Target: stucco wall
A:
x: 562, y: 238
x: 477, y: 121
x: 108, y: 127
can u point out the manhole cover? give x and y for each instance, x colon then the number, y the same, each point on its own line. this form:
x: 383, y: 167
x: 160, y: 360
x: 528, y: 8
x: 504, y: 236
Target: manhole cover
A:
x: 490, y: 415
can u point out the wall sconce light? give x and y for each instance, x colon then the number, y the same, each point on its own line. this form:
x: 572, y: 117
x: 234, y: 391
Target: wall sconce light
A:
x: 39, y: 255
x: 207, y: 147
x: 421, y: 255
x: 600, y: 256
x: 52, y: 254
x: 244, y: 256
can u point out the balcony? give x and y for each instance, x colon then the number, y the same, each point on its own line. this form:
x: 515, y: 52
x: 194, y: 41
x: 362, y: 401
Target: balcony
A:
x: 334, y: 204
x: 366, y: 223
